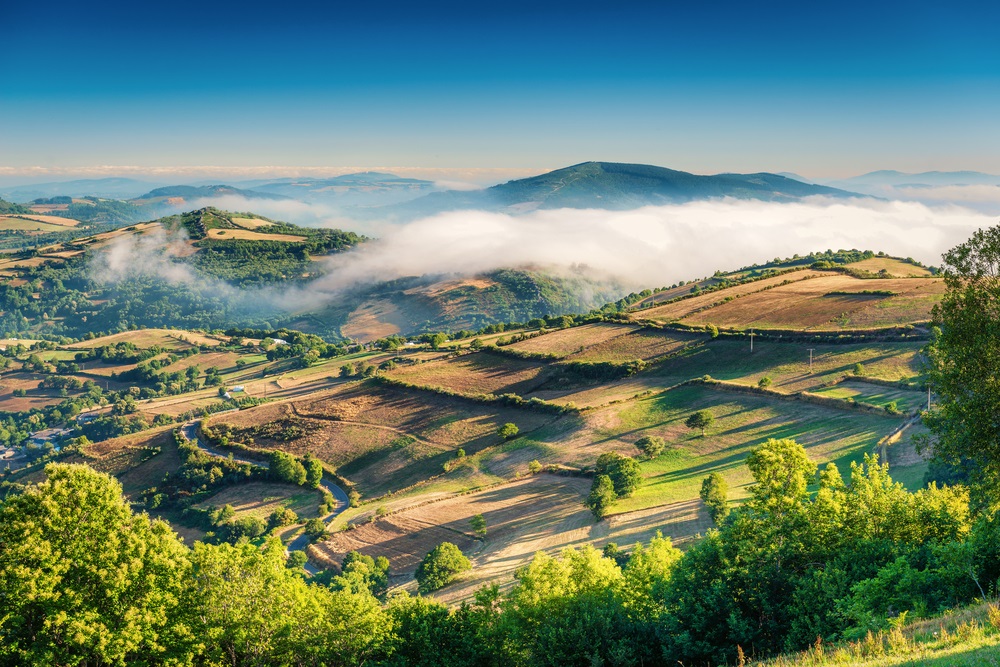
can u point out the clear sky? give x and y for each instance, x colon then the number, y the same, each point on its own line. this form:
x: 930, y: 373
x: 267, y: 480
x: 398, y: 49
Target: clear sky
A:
x: 822, y: 89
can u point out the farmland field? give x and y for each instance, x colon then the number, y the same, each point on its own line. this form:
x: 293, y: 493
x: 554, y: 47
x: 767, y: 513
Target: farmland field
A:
x: 563, y: 342
x: 168, y: 339
x: 828, y: 302
x: 247, y: 235
x: 644, y: 345
x: 474, y: 374
x: 893, y: 266
x: 259, y: 499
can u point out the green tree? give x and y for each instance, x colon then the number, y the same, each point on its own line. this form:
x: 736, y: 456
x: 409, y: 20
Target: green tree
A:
x: 964, y: 354
x: 623, y: 470
x: 314, y: 471
x: 859, y: 369
x: 508, y: 431
x: 651, y: 445
x: 440, y: 567
x: 700, y: 421
x: 315, y: 529
x: 715, y: 495
x: 602, y: 496
x: 765, y: 382
x: 83, y: 580
x: 478, y: 523
x: 286, y: 468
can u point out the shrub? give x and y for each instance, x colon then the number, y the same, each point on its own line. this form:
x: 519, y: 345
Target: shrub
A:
x: 714, y: 492
x: 622, y: 470
x: 651, y: 445
x: 508, y: 431
x: 440, y: 566
x: 315, y: 529
x: 602, y: 496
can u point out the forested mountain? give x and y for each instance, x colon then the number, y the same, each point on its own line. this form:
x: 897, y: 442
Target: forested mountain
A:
x: 611, y: 185
x: 189, y: 192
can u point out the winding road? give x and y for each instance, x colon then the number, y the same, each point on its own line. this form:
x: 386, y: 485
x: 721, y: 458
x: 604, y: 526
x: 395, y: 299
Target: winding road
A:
x: 190, y: 431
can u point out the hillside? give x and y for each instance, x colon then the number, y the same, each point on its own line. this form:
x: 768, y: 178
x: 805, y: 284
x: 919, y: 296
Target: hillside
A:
x: 8, y: 208
x: 189, y: 193
x: 364, y: 189
x: 610, y: 185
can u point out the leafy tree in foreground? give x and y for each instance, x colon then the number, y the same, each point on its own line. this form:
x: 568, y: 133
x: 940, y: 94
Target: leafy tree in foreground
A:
x: 700, y: 421
x: 439, y: 567
x: 714, y: 493
x: 964, y: 367
x: 602, y: 496
x: 84, y: 580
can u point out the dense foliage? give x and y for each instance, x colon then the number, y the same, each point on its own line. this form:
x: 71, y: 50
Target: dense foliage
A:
x: 110, y: 587
x: 965, y: 362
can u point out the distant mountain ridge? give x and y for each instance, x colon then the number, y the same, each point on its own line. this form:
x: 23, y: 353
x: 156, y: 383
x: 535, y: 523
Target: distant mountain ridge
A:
x: 189, y: 192
x: 611, y: 185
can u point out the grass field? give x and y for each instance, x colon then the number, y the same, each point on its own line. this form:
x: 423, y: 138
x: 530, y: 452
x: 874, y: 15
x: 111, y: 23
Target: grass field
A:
x: 644, y: 345
x: 168, y: 339
x: 251, y: 223
x: 248, y: 235
x: 894, y: 267
x: 907, y: 400
x: 475, y: 374
x: 259, y: 499
x: 832, y: 301
x: 962, y: 638
x: 382, y: 439
x: 35, y: 223
x: 686, y: 307
x: 564, y: 342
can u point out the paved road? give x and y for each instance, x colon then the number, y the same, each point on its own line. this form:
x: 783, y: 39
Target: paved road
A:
x: 190, y: 431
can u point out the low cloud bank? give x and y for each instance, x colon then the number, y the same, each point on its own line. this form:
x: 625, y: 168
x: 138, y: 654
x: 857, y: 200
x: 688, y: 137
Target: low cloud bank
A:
x: 654, y: 246
x: 646, y: 247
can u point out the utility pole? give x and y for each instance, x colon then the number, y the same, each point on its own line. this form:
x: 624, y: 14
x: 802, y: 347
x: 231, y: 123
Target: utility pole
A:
x: 928, y: 397
x: 811, y: 350
x: 752, y: 334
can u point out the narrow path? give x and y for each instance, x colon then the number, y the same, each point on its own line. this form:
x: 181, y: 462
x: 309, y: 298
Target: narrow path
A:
x: 190, y: 431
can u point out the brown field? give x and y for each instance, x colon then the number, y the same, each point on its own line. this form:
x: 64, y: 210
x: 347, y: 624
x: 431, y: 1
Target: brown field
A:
x: 536, y: 513
x: 250, y: 223
x: 374, y: 319
x: 32, y: 223
x: 247, y: 235
x: 475, y: 374
x: 170, y: 339
x: 564, y: 342
x: 809, y: 305
x: 381, y: 438
x: 54, y: 220
x: 685, y: 307
x: 48, y: 208
x: 29, y: 382
x: 121, y: 457
x: 895, y: 267
x: 205, y: 360
x: 645, y: 345
x: 259, y: 499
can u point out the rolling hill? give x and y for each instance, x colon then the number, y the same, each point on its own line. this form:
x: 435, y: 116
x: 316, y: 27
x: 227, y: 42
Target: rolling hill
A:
x: 610, y: 185
x: 364, y: 189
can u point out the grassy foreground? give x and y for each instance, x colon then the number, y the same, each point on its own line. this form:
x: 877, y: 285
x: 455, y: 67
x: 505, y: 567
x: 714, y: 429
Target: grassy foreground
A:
x: 966, y: 638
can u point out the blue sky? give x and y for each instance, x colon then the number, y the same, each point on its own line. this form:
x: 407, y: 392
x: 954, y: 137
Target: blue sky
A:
x: 818, y: 88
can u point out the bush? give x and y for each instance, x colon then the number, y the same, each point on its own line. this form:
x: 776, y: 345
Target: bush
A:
x: 622, y: 470
x: 315, y: 529
x: 764, y: 382
x: 281, y: 517
x: 602, y: 495
x: 508, y: 431
x: 440, y: 566
x: 651, y: 445
x: 534, y: 467
x: 478, y: 524
x: 714, y: 492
